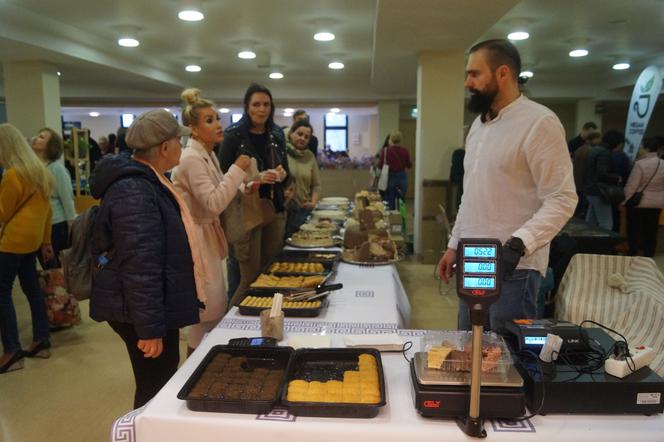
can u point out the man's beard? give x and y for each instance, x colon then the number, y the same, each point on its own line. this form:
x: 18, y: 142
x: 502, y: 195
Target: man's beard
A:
x: 481, y: 101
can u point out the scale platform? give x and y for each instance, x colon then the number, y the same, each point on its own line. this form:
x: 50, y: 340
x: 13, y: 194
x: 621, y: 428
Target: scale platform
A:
x: 439, y: 393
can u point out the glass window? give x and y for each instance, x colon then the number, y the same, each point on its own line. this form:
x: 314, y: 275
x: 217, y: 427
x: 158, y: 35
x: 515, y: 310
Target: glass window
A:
x: 127, y: 119
x: 334, y: 119
x: 336, y: 132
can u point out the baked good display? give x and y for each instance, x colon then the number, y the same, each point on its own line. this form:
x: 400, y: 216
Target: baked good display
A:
x: 338, y: 201
x: 448, y: 357
x: 266, y: 302
x: 230, y: 378
x: 312, y: 239
x: 329, y: 214
x: 359, y: 386
x: 373, y: 246
x: 296, y: 282
x: 296, y: 267
x: 320, y: 225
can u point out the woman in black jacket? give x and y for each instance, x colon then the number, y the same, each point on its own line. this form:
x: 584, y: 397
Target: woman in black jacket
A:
x: 257, y: 136
x: 146, y: 288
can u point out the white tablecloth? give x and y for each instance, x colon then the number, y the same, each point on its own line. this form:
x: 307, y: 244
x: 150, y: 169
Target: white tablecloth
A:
x: 166, y: 418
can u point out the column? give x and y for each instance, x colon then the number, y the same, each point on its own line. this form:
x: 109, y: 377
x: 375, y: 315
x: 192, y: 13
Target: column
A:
x: 440, y: 102
x: 585, y: 112
x: 32, y: 93
x: 388, y: 119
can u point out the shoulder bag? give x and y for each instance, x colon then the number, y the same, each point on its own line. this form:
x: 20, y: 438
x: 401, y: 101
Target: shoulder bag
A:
x: 635, y: 199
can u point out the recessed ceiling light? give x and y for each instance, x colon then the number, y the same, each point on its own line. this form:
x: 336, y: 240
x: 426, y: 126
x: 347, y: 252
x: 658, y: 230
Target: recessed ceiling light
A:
x: 578, y: 53
x: 621, y: 66
x: 192, y: 68
x: 526, y: 74
x: 59, y: 74
x: 246, y: 55
x: 128, y: 42
x: 324, y: 36
x: 276, y: 75
x: 518, y: 35
x: 224, y: 110
x: 94, y: 114
x: 167, y: 109
x: 335, y: 110
x: 336, y: 65
x: 190, y: 15
x: 289, y: 110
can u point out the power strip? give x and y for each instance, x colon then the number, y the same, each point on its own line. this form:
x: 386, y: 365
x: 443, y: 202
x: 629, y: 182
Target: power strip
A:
x: 641, y: 356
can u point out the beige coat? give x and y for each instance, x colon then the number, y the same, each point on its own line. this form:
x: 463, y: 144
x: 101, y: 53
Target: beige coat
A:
x: 207, y: 192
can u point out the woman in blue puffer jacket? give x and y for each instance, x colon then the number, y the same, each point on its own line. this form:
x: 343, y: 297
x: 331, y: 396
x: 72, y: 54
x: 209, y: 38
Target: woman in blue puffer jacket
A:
x: 147, y: 290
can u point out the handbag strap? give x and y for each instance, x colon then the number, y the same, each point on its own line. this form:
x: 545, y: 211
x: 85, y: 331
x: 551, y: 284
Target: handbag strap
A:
x: 653, y: 176
x: 18, y: 209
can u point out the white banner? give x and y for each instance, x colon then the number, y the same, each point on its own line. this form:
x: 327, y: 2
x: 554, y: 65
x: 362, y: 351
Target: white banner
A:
x: 645, y: 94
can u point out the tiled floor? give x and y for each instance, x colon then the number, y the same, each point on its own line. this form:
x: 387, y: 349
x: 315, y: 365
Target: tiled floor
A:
x: 87, y: 383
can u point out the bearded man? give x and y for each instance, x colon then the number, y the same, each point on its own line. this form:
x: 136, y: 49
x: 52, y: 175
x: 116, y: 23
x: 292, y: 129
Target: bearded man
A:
x: 518, y: 182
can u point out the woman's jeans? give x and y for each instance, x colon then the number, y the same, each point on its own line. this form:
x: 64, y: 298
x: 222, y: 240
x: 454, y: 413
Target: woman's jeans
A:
x: 397, y: 186
x: 600, y: 213
x: 23, y: 265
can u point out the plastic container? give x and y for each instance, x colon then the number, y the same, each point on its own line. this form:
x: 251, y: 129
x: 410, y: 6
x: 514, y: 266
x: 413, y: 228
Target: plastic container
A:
x: 496, y: 356
x: 330, y: 364
x: 304, y: 312
x: 270, y: 358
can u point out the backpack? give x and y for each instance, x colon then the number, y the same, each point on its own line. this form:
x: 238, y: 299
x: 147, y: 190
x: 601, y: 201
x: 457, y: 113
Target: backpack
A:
x: 78, y: 264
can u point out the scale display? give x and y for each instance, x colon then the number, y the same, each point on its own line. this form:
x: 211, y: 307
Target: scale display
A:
x: 479, y: 252
x: 479, y: 267
x: 471, y: 282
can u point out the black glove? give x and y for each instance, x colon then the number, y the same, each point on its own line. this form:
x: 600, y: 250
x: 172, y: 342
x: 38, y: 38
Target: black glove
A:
x: 513, y: 250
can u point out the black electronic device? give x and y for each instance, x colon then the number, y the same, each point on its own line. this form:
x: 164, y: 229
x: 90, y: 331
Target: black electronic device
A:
x: 252, y: 342
x: 478, y: 285
x: 585, y: 388
x: 530, y: 335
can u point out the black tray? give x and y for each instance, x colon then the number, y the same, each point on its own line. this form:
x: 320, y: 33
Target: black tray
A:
x: 329, y: 364
x: 257, y: 357
x: 272, y: 290
x: 290, y: 312
x: 329, y: 266
x: 307, y: 256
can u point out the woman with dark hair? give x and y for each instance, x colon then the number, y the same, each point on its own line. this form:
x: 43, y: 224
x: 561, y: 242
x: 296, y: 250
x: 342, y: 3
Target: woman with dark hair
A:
x: 304, y: 169
x: 647, y: 177
x: 48, y: 147
x: 257, y: 136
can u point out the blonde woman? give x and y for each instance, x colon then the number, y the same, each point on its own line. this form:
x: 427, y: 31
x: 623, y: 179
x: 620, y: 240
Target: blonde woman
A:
x: 207, y: 192
x: 49, y: 148
x: 25, y: 216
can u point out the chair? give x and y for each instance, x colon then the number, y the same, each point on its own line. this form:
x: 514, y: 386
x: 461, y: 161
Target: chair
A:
x: 636, y: 309
x: 446, y: 234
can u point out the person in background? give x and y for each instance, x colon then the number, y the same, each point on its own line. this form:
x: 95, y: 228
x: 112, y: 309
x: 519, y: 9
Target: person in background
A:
x: 143, y: 240
x: 456, y: 173
x: 301, y: 114
x: 104, y: 146
x: 520, y: 188
x: 580, y: 139
x: 111, y: 142
x: 304, y: 169
x: 397, y: 158
x: 95, y: 152
x: 579, y: 165
x: 620, y: 164
x: 598, y: 172
x: 120, y: 143
x: 207, y: 192
x: 292, y: 207
x: 49, y: 148
x: 643, y: 220
x: 25, y: 217
x: 257, y: 136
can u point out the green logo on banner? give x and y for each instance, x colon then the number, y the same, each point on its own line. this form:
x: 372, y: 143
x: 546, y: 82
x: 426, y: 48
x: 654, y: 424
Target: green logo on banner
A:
x: 646, y: 88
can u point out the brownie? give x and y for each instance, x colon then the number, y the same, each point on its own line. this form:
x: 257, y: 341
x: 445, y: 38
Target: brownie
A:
x: 217, y: 390
x: 233, y: 392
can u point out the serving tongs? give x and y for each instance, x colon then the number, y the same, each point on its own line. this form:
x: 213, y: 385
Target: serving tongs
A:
x: 311, y: 294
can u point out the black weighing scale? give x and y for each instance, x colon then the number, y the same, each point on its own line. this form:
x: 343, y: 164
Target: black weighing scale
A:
x: 457, y: 394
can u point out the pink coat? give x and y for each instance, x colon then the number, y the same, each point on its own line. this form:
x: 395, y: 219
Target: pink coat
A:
x: 207, y: 192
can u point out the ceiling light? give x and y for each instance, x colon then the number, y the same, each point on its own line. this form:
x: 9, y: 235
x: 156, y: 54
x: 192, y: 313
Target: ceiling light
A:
x: 224, y: 110
x: 94, y: 114
x: 621, y: 66
x: 289, y: 110
x: 336, y: 65
x: 167, y: 109
x: 192, y: 68
x: 128, y: 42
x: 526, y: 74
x: 59, y: 74
x: 190, y: 15
x: 246, y: 55
x: 518, y: 35
x: 324, y: 36
x: 335, y: 110
x: 276, y: 75
x: 288, y: 114
x: 578, y: 53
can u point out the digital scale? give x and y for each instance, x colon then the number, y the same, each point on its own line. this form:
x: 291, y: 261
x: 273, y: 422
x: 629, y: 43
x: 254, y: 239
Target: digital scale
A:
x: 456, y: 393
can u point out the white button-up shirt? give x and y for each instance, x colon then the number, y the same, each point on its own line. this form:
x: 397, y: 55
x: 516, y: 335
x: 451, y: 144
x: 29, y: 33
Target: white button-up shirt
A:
x: 518, y: 181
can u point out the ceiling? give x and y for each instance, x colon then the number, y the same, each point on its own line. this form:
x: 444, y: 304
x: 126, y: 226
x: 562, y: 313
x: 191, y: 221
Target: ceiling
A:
x: 377, y: 40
